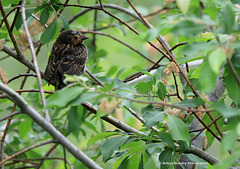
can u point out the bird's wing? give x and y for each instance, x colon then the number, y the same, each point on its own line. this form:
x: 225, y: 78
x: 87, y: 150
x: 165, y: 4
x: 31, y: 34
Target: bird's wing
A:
x: 74, y: 61
x: 54, y: 59
x: 51, y: 68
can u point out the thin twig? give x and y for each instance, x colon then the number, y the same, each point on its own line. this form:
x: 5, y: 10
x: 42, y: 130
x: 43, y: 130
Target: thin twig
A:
x: 25, y: 150
x: 94, y: 28
x: 5, y: 17
x: 46, y: 155
x: 193, y: 89
x: 100, y: 2
x: 3, y: 77
x: 176, y: 86
x: 140, y: 118
x: 23, y: 60
x: 160, y: 50
x: 22, y: 75
x: 43, y: 100
x: 98, y: 7
x: 64, y: 5
x: 142, y: 18
x: 51, y: 158
x: 155, y: 66
x: 93, y: 77
x: 15, y: 17
x: 37, y: 19
x: 112, y: 120
x: 34, y: 90
x: 177, y: 45
x: 127, y: 45
x: 202, y: 129
x: 5, y: 57
x: 233, y: 70
x: 107, y: 12
x: 10, y: 115
x: 10, y: 32
x: 172, y: 58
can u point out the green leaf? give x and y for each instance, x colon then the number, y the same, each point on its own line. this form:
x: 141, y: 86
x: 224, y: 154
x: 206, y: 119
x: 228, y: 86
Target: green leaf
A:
x: 8, y: 2
x: 141, y: 164
x: 84, y: 97
x: 44, y: 15
x: 144, y: 71
x: 18, y: 23
x: 159, y: 74
x: 64, y: 22
x: 200, y: 163
x: 178, y: 129
x: 183, y: 5
x: 228, y: 18
x: 155, y: 148
x: 228, y: 162
x: 24, y: 127
x: 197, y: 48
x: 124, y: 164
x: 57, y: 32
x: 90, y: 126
x: 144, y: 87
x: 113, y: 69
x: 211, y: 10
x: 73, y: 123
x: 161, y: 93
x: 150, y: 34
x: 100, y: 136
x: 165, y: 157
x: 153, y: 118
x: 195, y: 102
x: 229, y: 140
x: 100, y: 54
x: 232, y: 86
x: 136, y: 149
x: 216, y: 59
x: 166, y: 138
x: 62, y: 97
x: 225, y: 110
x: 236, y: 59
x: 187, y: 28
x: 126, y: 102
x: 181, y: 60
x: 49, y: 33
x: 111, y: 145
x: 208, y: 77
x: 196, y: 84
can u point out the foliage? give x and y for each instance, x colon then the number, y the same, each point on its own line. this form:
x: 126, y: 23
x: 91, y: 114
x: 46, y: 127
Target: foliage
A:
x: 165, y: 106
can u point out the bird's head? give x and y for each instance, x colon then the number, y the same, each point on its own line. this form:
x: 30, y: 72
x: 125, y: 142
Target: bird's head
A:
x: 71, y: 37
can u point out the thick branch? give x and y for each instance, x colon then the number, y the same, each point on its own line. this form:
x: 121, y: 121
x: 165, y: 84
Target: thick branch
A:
x: 202, y: 154
x: 21, y: 59
x: 25, y: 108
x: 34, y: 58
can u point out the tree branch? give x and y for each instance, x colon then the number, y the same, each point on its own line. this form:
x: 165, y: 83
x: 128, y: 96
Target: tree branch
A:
x: 23, y: 60
x: 125, y: 44
x: 25, y: 150
x: 34, y: 58
x: 25, y: 108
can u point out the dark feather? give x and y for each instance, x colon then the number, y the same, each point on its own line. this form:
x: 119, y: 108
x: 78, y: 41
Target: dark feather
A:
x: 66, y: 58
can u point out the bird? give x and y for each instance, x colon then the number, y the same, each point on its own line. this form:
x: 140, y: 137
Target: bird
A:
x: 68, y: 56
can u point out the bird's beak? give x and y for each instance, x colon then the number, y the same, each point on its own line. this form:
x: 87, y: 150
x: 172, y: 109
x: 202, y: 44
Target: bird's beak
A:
x: 83, y: 37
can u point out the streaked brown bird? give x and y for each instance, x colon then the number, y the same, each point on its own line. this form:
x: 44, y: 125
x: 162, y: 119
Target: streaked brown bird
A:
x: 68, y: 56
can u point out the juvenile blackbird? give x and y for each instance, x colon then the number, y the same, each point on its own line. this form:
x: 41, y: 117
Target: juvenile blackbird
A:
x: 68, y: 56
